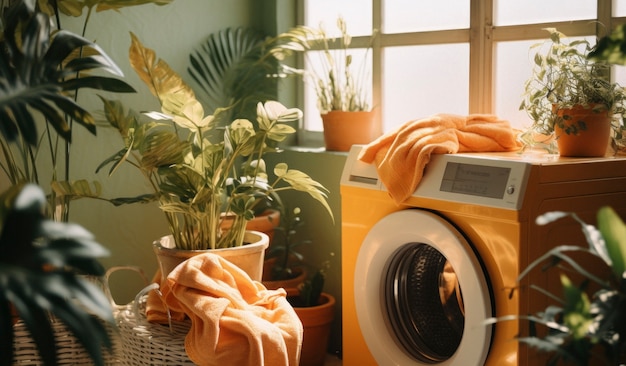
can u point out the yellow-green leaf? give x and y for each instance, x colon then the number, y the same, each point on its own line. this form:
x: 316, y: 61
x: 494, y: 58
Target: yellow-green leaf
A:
x: 614, y: 233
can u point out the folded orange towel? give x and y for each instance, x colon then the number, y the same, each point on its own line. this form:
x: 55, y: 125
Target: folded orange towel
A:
x: 400, y: 156
x: 234, y: 320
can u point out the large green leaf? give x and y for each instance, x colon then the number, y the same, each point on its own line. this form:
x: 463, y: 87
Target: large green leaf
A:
x: 234, y: 71
x: 37, y: 76
x: 39, y: 265
x: 614, y: 233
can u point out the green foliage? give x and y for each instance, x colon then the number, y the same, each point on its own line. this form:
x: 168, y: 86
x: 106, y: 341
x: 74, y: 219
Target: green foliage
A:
x: 311, y: 289
x: 562, y: 77
x: 197, y: 169
x: 42, y: 70
x: 339, y: 86
x: 39, y: 265
x: 285, y: 244
x: 583, y: 320
x: 235, y: 73
x: 611, y: 48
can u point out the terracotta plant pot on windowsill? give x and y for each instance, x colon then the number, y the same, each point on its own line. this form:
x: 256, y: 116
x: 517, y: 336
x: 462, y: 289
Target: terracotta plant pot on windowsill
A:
x: 589, y: 132
x: 344, y: 129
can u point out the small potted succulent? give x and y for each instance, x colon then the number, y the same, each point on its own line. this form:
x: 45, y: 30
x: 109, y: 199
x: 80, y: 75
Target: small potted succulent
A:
x: 567, y: 93
x: 200, y: 173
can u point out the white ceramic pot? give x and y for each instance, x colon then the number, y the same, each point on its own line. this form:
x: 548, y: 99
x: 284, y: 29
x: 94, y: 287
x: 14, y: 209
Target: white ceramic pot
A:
x: 249, y: 257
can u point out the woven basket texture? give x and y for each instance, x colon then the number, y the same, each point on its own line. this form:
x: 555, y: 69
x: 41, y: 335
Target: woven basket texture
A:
x: 145, y: 343
x: 69, y: 350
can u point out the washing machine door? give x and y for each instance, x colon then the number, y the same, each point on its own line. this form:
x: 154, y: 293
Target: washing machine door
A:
x: 421, y: 293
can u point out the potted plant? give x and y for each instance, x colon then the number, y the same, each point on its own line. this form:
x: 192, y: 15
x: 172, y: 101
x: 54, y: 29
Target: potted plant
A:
x: 567, y: 93
x: 40, y: 82
x: 587, y: 323
x: 283, y: 266
x: 343, y: 91
x: 44, y: 262
x: 315, y: 309
x: 201, y: 173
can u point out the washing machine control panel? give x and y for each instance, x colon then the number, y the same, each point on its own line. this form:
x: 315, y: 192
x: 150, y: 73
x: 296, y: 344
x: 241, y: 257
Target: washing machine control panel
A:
x: 486, y: 179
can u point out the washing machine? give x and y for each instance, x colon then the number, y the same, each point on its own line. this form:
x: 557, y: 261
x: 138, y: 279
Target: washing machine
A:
x: 421, y: 279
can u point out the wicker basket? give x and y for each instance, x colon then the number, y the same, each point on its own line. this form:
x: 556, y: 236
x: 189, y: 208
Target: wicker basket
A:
x: 69, y: 350
x: 145, y: 343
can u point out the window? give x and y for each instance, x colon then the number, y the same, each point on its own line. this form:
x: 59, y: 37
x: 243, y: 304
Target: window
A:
x: 455, y: 56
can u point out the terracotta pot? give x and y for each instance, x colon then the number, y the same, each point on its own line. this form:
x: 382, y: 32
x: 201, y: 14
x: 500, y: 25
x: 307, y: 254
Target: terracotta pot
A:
x: 249, y: 257
x: 592, y: 140
x: 265, y: 223
x: 288, y: 283
x: 344, y: 129
x: 316, y: 321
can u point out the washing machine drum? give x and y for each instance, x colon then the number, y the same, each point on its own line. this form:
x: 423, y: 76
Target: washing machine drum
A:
x: 421, y: 293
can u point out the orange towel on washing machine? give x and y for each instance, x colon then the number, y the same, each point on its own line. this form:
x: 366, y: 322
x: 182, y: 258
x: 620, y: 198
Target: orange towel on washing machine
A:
x: 401, y: 156
x: 234, y: 320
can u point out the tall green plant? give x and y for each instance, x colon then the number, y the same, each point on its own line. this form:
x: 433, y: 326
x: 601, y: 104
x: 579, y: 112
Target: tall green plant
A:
x: 40, y: 263
x: 200, y: 171
x: 44, y: 69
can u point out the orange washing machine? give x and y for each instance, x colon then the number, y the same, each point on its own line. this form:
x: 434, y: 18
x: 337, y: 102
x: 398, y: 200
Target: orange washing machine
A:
x: 420, y: 279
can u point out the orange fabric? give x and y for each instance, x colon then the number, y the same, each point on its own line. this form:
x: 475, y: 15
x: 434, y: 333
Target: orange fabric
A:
x: 401, y: 156
x: 234, y: 320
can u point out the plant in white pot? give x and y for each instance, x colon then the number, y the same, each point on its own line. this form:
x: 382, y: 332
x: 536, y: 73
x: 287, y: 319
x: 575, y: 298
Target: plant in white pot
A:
x: 201, y: 173
x: 566, y: 93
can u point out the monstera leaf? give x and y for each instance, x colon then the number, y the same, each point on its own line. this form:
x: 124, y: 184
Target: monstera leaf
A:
x: 39, y: 263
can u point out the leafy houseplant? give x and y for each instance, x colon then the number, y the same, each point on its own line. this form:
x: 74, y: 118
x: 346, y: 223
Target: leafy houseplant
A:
x: 40, y: 260
x: 343, y: 91
x: 563, y: 78
x: 580, y: 321
x: 337, y: 85
x: 44, y: 69
x: 198, y: 171
x: 285, y: 260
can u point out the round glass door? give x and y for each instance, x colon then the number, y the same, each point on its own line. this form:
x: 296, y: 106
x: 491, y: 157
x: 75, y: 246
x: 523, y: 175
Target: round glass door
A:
x: 421, y: 293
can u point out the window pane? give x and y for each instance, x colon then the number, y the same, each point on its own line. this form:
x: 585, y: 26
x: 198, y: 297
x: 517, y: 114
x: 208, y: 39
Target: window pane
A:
x: 326, y: 12
x: 315, y: 63
x: 416, y: 86
x: 508, y: 12
x: 512, y: 68
x: 619, y: 8
x: 401, y: 16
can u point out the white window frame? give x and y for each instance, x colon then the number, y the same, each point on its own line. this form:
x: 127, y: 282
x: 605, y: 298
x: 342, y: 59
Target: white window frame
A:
x: 482, y: 36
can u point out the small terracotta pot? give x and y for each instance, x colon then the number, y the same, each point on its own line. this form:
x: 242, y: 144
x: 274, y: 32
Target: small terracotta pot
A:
x: 300, y: 272
x: 344, y: 129
x: 316, y: 321
x: 249, y: 257
x: 590, y: 141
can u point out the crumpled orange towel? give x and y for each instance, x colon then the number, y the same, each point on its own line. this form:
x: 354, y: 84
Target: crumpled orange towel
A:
x: 234, y: 320
x: 401, y: 156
